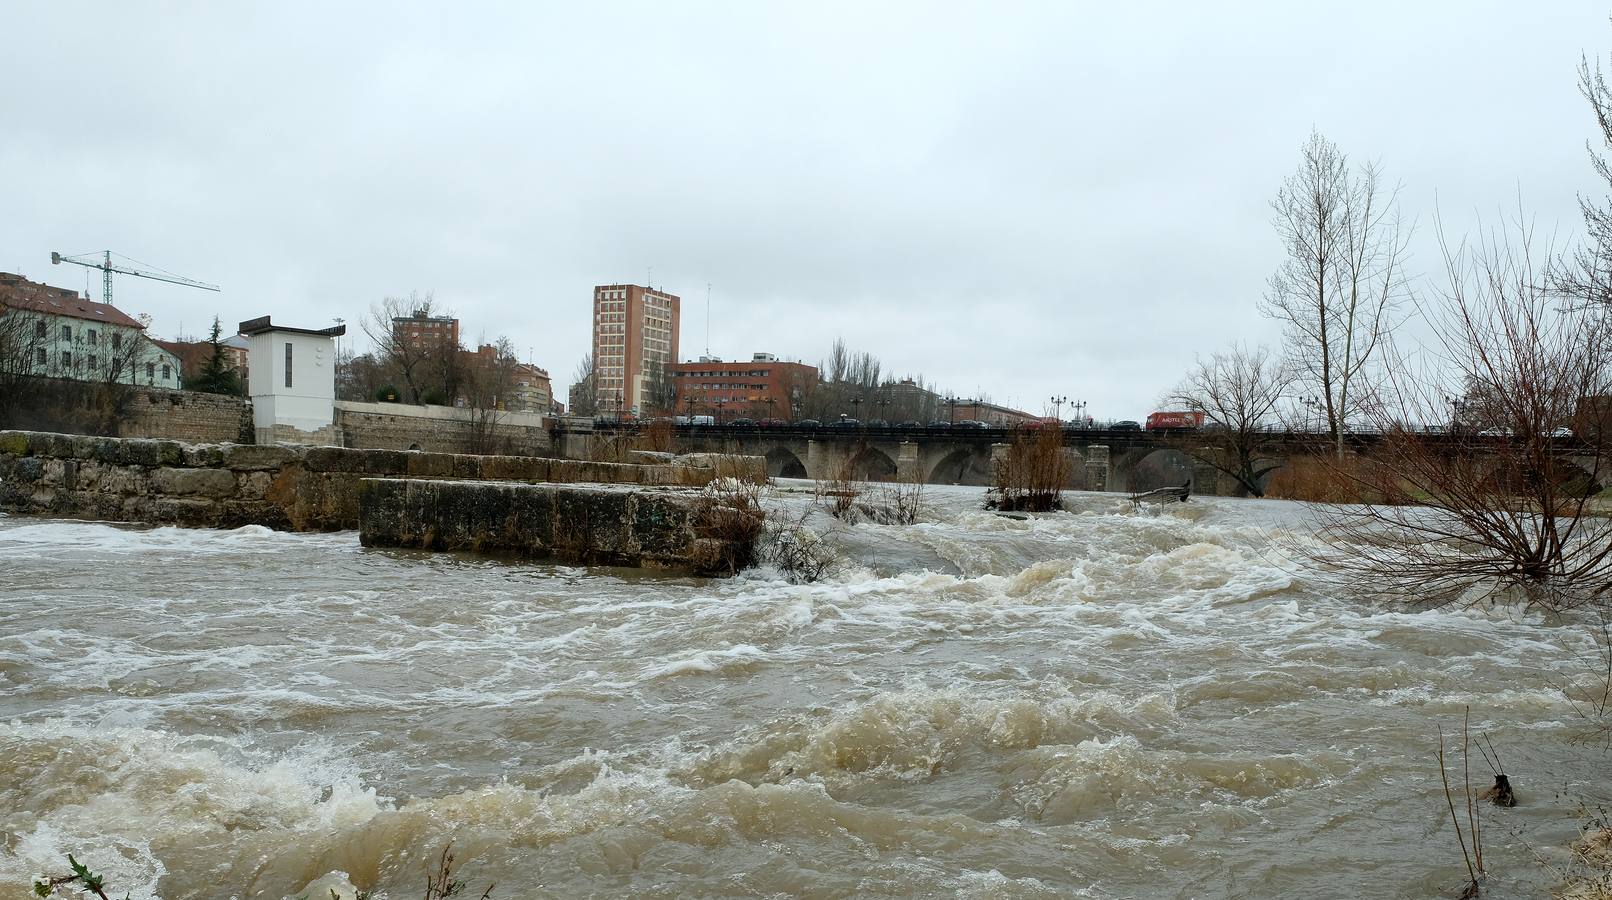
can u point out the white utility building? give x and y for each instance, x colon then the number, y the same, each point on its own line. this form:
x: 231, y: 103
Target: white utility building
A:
x: 293, y: 381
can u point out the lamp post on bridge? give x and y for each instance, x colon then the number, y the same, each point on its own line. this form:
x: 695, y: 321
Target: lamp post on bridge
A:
x: 1312, y: 407
x: 951, y: 402
x: 1057, y: 402
x: 856, y: 402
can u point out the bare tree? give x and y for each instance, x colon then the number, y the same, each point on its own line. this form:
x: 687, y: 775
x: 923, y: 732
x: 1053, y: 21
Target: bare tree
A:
x: 485, y: 382
x: 411, y: 358
x: 1511, y: 510
x: 584, y: 389
x: 1337, y: 292
x: 1586, y: 274
x: 1239, y: 391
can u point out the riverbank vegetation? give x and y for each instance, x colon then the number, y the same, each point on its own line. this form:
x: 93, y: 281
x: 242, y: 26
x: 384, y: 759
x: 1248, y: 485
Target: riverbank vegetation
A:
x: 1031, y: 475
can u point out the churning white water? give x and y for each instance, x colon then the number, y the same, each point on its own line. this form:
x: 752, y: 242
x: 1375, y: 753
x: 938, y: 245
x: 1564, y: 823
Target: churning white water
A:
x: 1098, y: 703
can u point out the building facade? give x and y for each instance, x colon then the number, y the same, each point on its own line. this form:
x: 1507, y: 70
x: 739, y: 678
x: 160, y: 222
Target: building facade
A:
x: 762, y: 388
x: 293, y: 381
x: 990, y: 413
x: 531, y: 391
x: 635, y: 332
x: 422, y: 331
x: 53, y: 332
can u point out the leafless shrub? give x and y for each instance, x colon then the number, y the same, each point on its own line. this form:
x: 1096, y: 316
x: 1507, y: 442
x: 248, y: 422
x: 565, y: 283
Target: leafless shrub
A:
x: 839, y: 495
x: 729, y: 511
x: 897, y: 503
x: 1032, y: 475
x: 1505, y: 511
x: 800, y: 554
x: 660, y: 435
x: 1474, y: 829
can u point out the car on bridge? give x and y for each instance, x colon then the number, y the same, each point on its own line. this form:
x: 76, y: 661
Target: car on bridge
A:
x: 909, y: 424
x: 743, y: 423
x: 848, y: 422
x: 971, y: 423
x: 808, y: 423
x: 772, y: 423
x: 1125, y: 425
x: 878, y: 423
x: 940, y: 424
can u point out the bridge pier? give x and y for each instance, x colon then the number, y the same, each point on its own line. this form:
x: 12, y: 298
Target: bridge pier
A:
x: 1097, y: 467
x: 1205, y: 478
x: 818, y: 464
x: 909, y: 467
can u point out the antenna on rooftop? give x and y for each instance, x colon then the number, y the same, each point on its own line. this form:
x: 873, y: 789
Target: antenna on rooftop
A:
x: 708, y: 318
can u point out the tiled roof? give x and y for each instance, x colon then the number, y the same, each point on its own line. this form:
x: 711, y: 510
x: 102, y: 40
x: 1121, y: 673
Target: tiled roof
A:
x: 18, y: 292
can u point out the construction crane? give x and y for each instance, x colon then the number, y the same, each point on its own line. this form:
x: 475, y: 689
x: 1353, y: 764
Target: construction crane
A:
x: 103, y: 261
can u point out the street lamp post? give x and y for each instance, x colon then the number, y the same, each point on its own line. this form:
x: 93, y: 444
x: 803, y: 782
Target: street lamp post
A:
x: 719, y: 402
x: 1057, y: 402
x: 1312, y: 407
x: 856, y: 402
x: 951, y: 403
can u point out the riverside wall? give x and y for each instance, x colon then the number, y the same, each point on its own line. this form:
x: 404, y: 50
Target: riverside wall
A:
x: 280, y: 486
x: 622, y: 525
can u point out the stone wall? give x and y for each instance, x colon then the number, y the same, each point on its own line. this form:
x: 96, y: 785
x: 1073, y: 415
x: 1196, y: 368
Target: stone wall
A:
x: 599, y: 524
x: 439, y: 429
x: 279, y: 486
x: 187, y: 416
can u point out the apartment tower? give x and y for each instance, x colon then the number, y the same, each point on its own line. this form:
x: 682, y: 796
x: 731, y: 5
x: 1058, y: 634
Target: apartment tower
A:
x: 634, y: 339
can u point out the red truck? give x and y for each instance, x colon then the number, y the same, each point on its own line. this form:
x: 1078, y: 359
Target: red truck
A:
x: 1160, y: 421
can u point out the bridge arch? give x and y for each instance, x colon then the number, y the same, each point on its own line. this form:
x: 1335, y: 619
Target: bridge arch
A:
x: 962, y: 465
x: 1146, y: 468
x: 783, y: 463
x: 872, y: 464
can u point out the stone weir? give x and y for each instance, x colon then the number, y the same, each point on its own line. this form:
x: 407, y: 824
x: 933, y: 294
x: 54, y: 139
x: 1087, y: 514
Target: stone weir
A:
x: 622, y: 525
x: 280, y: 486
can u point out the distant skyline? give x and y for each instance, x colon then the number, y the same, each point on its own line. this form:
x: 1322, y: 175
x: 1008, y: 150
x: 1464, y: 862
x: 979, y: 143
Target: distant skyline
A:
x: 1017, y: 199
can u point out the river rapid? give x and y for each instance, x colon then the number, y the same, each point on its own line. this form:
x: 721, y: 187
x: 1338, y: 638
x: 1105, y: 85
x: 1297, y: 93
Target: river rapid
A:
x: 1100, y: 703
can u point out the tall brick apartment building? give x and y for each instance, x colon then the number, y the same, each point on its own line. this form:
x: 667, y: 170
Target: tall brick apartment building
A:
x: 634, y: 337
x: 762, y: 388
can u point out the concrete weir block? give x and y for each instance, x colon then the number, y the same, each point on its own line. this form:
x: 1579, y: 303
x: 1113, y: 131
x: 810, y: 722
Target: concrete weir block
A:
x: 591, y: 523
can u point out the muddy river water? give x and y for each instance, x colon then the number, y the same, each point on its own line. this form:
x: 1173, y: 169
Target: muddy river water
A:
x: 1100, y: 703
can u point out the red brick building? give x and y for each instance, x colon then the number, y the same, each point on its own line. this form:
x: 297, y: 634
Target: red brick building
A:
x: 425, y: 331
x: 762, y: 388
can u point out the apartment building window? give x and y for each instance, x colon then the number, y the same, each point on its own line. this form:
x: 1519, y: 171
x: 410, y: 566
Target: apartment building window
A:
x: 287, y: 363
x: 117, y: 341
x: 67, y: 360
x: 151, y: 371
x: 67, y: 332
x: 42, y: 357
x: 40, y: 329
x: 93, y: 361
x: 90, y: 335
x: 166, y: 372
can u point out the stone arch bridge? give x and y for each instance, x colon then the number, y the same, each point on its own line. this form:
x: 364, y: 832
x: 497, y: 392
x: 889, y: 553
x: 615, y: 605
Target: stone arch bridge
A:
x: 1101, y: 460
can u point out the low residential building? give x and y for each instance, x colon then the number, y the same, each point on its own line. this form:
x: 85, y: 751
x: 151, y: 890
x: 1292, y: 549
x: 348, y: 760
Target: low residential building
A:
x: 531, y: 392
x: 763, y: 387
x: 194, y: 355
x: 54, y: 332
x: 996, y: 416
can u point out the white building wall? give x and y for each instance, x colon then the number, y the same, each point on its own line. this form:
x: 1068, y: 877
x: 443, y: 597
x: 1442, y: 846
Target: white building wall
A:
x: 84, y: 350
x: 308, y: 403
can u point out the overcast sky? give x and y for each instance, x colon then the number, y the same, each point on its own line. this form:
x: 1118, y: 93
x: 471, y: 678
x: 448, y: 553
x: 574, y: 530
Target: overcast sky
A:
x: 1011, y: 199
